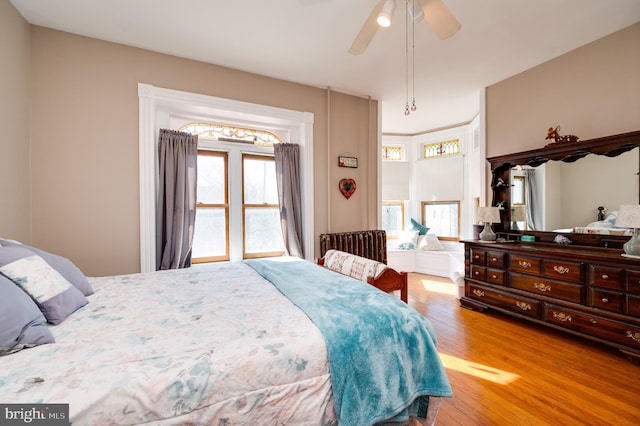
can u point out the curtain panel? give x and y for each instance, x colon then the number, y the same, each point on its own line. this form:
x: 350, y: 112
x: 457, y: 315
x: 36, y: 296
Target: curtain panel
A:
x: 286, y: 156
x: 176, y: 207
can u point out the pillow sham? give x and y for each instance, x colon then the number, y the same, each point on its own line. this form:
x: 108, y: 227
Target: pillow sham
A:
x: 417, y: 226
x: 430, y: 242
x: 54, y: 295
x: 64, y: 266
x: 22, y: 325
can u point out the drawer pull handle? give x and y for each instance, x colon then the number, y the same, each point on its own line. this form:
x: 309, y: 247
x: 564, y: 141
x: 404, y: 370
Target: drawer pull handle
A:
x: 605, y: 300
x: 561, y: 316
x: 476, y: 273
x: 542, y: 286
x: 634, y: 336
x: 524, y: 306
x: 592, y: 321
x: 494, y: 259
x: 494, y: 276
x: 524, y: 264
x: 476, y: 256
x: 605, y: 276
x: 478, y: 293
x: 561, y: 269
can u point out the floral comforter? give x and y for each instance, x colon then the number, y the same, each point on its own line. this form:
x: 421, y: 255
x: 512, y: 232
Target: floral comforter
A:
x: 208, y: 345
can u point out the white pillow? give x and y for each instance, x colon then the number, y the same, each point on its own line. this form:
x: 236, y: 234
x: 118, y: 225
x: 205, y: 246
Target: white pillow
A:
x: 430, y: 242
x: 408, y: 240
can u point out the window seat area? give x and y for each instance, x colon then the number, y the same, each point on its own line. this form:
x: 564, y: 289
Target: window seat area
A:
x: 447, y: 262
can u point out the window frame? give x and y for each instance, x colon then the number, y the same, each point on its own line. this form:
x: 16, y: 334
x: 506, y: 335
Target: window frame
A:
x: 225, y: 205
x: 393, y: 203
x: 424, y: 204
x: 245, y: 255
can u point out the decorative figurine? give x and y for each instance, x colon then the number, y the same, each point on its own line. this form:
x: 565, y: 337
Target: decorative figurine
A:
x: 601, y: 211
x: 553, y: 134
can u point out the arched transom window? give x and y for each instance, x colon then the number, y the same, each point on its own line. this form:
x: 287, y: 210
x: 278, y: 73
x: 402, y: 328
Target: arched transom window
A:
x: 225, y: 133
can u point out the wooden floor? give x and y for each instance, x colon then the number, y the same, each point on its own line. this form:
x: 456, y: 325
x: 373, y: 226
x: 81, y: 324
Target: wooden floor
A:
x: 505, y: 371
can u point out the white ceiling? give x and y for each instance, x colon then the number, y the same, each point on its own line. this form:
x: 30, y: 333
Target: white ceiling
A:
x: 306, y: 41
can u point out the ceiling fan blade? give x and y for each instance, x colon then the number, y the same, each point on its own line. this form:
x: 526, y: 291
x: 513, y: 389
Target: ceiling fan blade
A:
x: 439, y: 18
x: 368, y: 30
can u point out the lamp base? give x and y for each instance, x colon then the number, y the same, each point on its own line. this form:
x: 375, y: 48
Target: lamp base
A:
x: 487, y: 233
x: 632, y: 246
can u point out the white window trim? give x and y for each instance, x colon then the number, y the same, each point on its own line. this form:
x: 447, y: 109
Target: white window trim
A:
x: 156, y: 105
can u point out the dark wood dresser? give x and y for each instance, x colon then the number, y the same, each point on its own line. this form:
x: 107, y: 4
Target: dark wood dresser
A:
x: 592, y: 292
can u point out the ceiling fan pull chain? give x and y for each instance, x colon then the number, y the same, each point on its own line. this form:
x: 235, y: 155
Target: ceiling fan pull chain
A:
x: 406, y: 51
x: 413, y: 57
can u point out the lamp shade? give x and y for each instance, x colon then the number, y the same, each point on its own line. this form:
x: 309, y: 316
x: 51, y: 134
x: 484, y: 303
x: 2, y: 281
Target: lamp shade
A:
x: 628, y: 216
x: 488, y: 214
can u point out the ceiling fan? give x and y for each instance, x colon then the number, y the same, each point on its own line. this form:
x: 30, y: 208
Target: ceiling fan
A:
x: 434, y: 12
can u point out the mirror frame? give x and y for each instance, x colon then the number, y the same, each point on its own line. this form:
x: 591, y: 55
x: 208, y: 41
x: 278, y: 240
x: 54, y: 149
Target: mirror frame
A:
x: 568, y: 152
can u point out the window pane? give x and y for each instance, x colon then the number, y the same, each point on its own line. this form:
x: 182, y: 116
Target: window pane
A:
x: 209, y: 238
x: 262, y: 230
x: 260, y: 181
x: 392, y: 219
x: 211, y: 179
x: 442, y: 218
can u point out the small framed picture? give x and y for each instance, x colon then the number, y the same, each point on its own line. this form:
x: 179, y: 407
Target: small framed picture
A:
x: 347, y: 162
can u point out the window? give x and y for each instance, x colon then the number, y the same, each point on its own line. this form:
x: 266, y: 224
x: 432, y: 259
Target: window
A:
x: 393, y: 217
x: 441, y: 149
x: 392, y: 153
x: 262, y: 233
x: 517, y: 191
x: 221, y: 132
x: 211, y: 232
x: 443, y: 217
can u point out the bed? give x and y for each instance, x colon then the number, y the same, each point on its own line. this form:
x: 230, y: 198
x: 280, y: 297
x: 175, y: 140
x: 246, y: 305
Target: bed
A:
x: 607, y: 226
x: 258, y: 342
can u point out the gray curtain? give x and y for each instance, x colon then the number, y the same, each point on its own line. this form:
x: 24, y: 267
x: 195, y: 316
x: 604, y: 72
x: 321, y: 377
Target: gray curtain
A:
x: 176, y: 207
x: 531, y: 200
x: 289, y: 195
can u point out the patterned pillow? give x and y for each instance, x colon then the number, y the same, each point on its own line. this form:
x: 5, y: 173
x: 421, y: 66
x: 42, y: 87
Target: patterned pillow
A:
x: 22, y: 325
x: 54, y: 295
x: 354, y: 266
x: 64, y: 266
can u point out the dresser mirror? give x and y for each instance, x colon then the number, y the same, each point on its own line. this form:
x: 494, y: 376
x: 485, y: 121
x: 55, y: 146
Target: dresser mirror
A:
x: 559, y: 188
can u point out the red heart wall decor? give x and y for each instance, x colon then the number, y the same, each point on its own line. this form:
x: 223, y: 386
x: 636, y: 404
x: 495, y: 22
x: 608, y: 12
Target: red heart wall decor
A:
x: 347, y: 187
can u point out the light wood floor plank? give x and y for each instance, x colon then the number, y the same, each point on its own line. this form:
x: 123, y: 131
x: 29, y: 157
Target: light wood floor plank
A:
x: 506, y: 371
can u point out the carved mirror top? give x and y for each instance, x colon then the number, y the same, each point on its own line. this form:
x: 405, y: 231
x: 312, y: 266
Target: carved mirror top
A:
x: 569, y: 152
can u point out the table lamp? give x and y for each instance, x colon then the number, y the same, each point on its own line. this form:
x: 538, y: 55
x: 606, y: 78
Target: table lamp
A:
x: 488, y: 215
x: 629, y: 217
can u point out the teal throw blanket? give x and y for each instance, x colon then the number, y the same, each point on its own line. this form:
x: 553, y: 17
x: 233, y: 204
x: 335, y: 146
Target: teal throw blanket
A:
x: 382, y: 353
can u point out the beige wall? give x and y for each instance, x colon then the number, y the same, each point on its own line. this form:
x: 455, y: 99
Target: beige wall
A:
x: 84, y: 136
x: 15, y: 186
x: 591, y: 91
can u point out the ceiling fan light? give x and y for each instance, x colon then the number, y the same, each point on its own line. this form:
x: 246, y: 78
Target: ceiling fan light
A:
x: 384, y: 17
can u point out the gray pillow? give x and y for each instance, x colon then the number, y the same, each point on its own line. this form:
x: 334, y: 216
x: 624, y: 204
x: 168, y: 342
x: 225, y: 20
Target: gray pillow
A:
x: 56, y: 297
x: 22, y: 325
x: 64, y: 266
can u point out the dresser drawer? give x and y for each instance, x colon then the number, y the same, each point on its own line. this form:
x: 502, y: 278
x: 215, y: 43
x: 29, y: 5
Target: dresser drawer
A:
x: 633, y: 281
x: 562, y: 270
x: 525, y: 264
x: 603, y: 276
x: 547, y: 287
x: 614, y: 331
x: 495, y: 259
x: 478, y: 273
x: 608, y: 300
x: 633, y: 305
x: 495, y: 276
x: 478, y: 257
x: 511, y: 302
